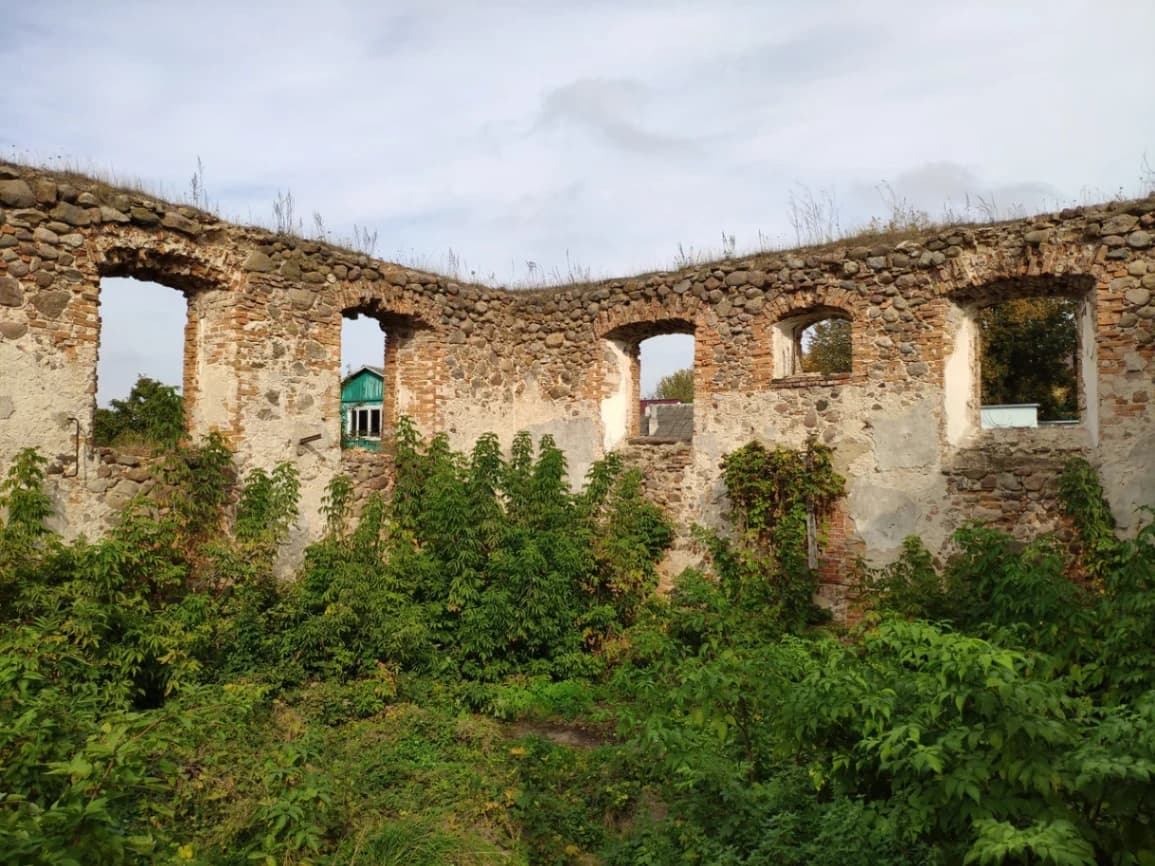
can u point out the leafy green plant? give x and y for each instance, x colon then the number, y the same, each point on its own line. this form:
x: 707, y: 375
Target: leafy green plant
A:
x: 152, y: 414
x: 779, y: 498
x: 1083, y: 499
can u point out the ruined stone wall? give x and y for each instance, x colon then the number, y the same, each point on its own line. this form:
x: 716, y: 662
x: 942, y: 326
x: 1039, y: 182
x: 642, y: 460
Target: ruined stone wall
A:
x: 262, y: 356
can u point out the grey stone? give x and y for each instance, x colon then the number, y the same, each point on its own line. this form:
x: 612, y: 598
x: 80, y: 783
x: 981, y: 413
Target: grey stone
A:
x: 1138, y: 297
x: 45, y: 236
x: 13, y: 330
x: 112, y: 215
x: 173, y: 220
x: 11, y: 295
x: 72, y: 214
x: 143, y: 216
x: 1139, y: 240
x: 1039, y: 236
x: 302, y: 299
x: 16, y: 193
x: 259, y: 262
x: 1119, y: 224
x: 290, y: 270
x: 45, y: 192
x: 51, y: 304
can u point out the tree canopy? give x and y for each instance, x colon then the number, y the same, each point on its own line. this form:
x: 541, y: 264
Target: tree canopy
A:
x: 153, y: 412
x: 678, y: 385
x: 1029, y: 354
x: 826, y: 347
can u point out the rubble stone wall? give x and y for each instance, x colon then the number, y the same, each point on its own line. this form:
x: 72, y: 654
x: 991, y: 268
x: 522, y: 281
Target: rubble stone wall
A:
x: 261, y: 356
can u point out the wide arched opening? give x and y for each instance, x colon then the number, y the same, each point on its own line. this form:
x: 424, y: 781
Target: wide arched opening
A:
x: 1022, y: 355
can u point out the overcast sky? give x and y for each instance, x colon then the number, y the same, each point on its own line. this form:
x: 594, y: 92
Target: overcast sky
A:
x: 586, y: 137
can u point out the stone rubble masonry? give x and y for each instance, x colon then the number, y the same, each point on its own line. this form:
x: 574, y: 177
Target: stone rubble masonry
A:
x: 262, y: 358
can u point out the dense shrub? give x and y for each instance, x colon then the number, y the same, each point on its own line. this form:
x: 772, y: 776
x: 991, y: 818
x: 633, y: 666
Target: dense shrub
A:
x: 164, y: 699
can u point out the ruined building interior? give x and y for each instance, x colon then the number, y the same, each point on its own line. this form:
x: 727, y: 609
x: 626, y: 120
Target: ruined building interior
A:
x: 262, y: 360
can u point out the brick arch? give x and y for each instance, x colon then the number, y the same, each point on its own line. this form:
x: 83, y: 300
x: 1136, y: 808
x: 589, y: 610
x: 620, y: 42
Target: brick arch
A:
x: 1064, y: 265
x: 621, y: 332
x: 391, y: 304
x: 679, y: 313
x: 798, y: 301
x: 179, y: 265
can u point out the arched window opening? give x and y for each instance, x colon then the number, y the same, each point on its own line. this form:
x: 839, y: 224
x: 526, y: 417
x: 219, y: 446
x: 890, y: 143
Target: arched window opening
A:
x: 1029, y: 358
x: 649, y: 386
x: 815, y: 343
x: 144, y: 364
x: 363, y: 360
x: 666, y: 387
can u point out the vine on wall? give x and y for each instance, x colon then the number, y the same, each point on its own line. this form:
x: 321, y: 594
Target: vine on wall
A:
x: 779, y: 500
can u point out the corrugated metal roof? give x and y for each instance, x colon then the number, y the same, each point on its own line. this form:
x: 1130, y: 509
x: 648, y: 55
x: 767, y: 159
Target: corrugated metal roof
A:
x: 371, y: 368
x: 364, y: 386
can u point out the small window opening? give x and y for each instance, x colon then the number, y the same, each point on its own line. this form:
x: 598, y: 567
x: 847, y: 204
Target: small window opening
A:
x: 141, y: 364
x: 1030, y: 362
x: 817, y: 343
x: 363, y: 341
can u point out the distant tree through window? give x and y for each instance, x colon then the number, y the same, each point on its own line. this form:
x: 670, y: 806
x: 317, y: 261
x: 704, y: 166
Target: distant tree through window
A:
x: 1030, y: 355
x: 678, y: 385
x: 826, y: 347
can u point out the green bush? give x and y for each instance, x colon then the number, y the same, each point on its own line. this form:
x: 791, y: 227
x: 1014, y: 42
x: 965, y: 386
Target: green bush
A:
x: 152, y: 414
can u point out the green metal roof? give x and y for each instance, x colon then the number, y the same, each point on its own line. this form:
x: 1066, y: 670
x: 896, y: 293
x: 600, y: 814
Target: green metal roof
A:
x: 363, y: 386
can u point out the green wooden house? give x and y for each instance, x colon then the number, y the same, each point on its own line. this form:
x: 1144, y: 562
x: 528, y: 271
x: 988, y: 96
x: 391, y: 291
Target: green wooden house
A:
x: 361, y: 394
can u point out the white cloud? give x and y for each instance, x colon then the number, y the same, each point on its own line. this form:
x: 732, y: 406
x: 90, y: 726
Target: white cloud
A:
x: 523, y: 130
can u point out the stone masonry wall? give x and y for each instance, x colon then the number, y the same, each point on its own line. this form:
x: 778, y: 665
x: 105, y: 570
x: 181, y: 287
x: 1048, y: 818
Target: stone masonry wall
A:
x: 264, y: 325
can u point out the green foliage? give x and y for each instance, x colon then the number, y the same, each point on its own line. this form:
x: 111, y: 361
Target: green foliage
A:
x: 678, y: 385
x: 23, y: 536
x: 164, y: 699
x: 826, y: 347
x: 779, y: 498
x: 152, y: 414
x: 476, y: 566
x: 1029, y: 349
x: 1083, y: 498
